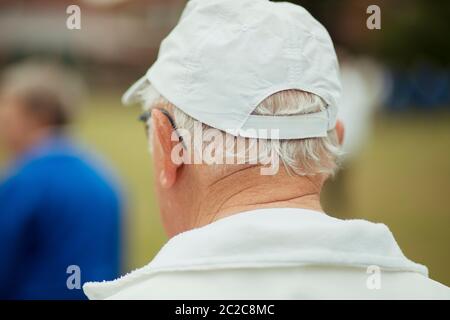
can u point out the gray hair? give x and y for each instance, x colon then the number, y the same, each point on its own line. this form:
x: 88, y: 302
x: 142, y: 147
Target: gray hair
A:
x: 47, y: 90
x: 303, y: 157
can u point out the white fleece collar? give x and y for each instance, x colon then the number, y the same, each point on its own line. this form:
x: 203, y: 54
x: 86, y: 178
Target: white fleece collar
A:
x: 268, y: 238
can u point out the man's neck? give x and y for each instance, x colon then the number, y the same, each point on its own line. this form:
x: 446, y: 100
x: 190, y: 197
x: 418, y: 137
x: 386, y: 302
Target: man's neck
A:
x: 33, y: 139
x: 246, y: 190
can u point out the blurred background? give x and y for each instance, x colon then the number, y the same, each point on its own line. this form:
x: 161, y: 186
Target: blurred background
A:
x: 396, y: 107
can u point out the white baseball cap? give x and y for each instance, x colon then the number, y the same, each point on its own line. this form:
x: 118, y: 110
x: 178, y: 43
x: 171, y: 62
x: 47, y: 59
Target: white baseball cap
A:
x: 224, y: 57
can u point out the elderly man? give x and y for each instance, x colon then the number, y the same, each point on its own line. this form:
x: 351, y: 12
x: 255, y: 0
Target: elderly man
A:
x: 243, y: 129
x: 59, y: 209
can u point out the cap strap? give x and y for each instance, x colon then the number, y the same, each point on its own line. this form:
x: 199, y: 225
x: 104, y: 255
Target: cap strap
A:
x: 311, y: 125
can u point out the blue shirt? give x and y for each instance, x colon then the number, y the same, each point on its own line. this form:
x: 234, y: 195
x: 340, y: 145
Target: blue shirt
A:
x: 59, y: 214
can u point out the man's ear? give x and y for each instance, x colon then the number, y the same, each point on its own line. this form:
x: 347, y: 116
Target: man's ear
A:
x: 340, y: 131
x: 162, y: 130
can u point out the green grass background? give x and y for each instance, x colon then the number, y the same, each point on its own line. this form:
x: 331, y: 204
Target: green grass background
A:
x: 402, y: 179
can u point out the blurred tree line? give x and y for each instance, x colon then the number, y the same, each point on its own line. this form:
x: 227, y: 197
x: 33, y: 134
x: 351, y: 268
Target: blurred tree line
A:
x: 414, y: 32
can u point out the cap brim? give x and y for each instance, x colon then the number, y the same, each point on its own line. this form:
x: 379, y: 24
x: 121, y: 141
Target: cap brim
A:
x: 131, y: 95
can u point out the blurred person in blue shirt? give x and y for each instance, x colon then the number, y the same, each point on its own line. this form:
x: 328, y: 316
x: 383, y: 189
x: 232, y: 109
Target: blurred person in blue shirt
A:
x: 59, y: 206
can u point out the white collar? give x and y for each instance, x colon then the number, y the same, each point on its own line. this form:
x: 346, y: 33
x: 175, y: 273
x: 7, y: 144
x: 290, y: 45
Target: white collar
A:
x: 268, y: 238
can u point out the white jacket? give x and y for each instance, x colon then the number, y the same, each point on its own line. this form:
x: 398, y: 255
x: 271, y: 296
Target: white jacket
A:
x: 278, y: 254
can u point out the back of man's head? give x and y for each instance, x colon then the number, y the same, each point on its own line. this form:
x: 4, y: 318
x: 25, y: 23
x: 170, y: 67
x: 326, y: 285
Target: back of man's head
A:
x: 48, y: 92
